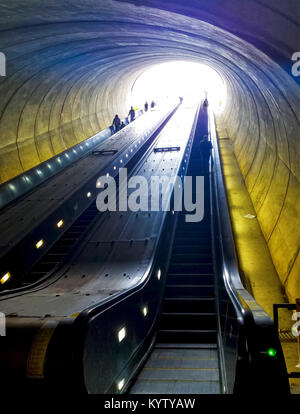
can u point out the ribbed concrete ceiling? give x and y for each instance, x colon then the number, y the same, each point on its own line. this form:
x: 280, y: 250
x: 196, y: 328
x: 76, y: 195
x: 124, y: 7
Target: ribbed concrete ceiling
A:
x: 71, y: 65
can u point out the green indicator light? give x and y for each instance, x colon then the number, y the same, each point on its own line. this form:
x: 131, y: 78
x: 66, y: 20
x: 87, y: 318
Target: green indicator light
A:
x: 272, y: 352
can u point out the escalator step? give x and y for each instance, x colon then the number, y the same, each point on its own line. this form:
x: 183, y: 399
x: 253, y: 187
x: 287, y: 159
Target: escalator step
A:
x: 179, y: 374
x: 183, y: 238
x: 190, y: 290
x: 191, y: 257
x: 189, y: 304
x: 189, y: 336
x: 188, y: 320
x: 79, y: 227
x: 191, y: 268
x: 195, y: 248
x: 185, y: 345
x: 182, y: 224
x: 207, y: 353
x: 190, y: 279
x: 175, y: 387
x: 55, y: 254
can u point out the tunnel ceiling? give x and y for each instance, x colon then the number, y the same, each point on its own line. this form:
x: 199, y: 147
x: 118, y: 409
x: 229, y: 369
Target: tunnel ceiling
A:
x: 71, y: 65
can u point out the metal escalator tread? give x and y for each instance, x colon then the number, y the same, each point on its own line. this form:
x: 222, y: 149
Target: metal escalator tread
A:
x: 187, y: 313
x: 186, y: 345
x: 195, y: 298
x: 189, y: 286
x: 179, y: 371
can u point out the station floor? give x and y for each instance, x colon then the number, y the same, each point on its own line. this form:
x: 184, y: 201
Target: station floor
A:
x: 257, y: 270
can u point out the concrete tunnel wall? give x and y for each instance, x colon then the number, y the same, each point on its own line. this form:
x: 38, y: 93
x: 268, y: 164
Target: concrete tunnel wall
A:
x: 71, y: 66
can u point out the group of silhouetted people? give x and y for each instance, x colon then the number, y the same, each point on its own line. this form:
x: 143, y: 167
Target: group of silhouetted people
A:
x: 205, y: 145
x: 117, y: 124
x: 146, y: 106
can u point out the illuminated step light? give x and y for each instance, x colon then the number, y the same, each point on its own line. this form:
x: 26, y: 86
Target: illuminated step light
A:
x: 88, y: 194
x: 115, y: 167
x: 98, y: 184
x: 60, y: 223
x: 39, y: 243
x: 145, y: 311
x: 126, y: 155
x: 5, y: 278
x: 121, y: 384
x: 158, y: 274
x: 272, y: 352
x: 107, y: 174
x: 121, y: 334
x: 121, y: 161
x: 25, y: 178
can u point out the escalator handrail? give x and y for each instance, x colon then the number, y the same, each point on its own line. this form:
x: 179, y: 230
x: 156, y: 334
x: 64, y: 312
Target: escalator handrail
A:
x: 241, y: 298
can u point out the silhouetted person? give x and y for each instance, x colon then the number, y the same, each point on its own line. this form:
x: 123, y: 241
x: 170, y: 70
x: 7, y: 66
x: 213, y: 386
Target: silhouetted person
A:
x: 122, y: 125
x: 181, y: 99
x: 205, y: 103
x: 205, y: 152
x: 152, y: 104
x: 131, y: 114
x: 116, y: 123
x: 146, y: 106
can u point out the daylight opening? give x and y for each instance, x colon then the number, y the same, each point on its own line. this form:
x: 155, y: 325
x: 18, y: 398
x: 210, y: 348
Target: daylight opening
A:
x: 168, y: 81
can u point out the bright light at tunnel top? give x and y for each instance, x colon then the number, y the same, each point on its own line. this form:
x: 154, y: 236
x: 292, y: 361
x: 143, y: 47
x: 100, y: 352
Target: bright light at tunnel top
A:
x: 167, y: 81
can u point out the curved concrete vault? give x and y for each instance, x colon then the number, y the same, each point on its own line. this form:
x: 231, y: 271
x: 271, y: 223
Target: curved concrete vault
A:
x: 71, y: 65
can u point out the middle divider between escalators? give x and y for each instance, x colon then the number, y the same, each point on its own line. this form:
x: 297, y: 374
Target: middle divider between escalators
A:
x: 159, y: 266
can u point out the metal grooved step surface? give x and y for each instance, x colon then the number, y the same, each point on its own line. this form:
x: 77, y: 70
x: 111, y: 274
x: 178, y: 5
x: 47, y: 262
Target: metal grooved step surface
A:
x: 185, y: 356
x: 179, y: 371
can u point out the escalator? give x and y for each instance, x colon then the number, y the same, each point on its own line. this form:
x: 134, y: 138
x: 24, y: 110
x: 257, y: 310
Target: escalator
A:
x: 185, y: 355
x: 47, y: 263
x: 187, y: 326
